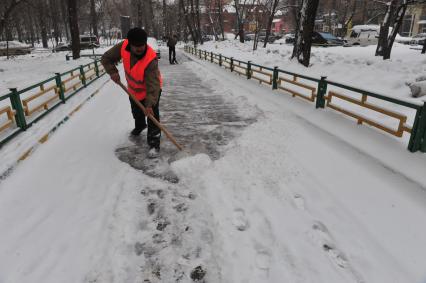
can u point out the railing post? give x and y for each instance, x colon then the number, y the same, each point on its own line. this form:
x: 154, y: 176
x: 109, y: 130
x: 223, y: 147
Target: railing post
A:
x: 15, y: 100
x: 322, y: 90
x: 67, y: 57
x: 82, y: 75
x: 199, y: 53
x: 205, y: 55
x: 96, y: 68
x: 275, y: 78
x: 211, y: 57
x: 232, y: 64
x: 418, y: 134
x: 220, y: 60
x: 60, y: 87
x: 249, y: 70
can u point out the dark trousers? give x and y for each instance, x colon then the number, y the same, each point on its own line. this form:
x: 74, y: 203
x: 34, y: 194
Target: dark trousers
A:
x: 172, y: 55
x: 154, y: 132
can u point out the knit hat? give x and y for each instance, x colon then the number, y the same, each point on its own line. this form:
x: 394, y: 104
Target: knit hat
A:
x: 137, y: 37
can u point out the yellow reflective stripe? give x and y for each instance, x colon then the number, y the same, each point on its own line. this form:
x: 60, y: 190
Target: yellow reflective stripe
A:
x: 133, y: 79
x: 135, y: 89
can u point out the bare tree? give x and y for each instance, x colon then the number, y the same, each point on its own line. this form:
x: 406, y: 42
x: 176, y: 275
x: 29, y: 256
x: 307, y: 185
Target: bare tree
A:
x: 94, y: 18
x: 189, y: 22
x: 75, y: 33
x: 383, y: 44
x: 8, y: 8
x: 302, y: 47
x: 272, y: 12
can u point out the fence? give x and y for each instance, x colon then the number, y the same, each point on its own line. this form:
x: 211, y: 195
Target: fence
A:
x: 301, y: 86
x: 29, y: 105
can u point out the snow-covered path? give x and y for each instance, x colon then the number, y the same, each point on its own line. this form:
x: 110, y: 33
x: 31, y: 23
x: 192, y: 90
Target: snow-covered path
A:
x: 285, y: 201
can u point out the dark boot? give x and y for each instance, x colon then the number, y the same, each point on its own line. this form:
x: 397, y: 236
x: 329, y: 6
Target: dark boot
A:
x: 139, y: 127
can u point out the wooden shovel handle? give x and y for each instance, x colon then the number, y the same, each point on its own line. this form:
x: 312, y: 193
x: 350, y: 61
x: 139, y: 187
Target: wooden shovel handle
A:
x: 158, y: 124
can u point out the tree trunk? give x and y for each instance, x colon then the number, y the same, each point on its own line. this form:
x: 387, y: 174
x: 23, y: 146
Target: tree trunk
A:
x: 54, y: 12
x: 42, y: 16
x: 139, y: 14
x: 74, y: 30
x: 302, y: 48
x: 187, y: 21
x: 65, y: 17
x: 219, y: 6
x: 197, y: 9
x: 19, y: 29
x: 383, y: 44
x: 165, y: 25
x: 7, y: 12
x: 93, y: 18
x: 397, y: 24
x: 271, y: 18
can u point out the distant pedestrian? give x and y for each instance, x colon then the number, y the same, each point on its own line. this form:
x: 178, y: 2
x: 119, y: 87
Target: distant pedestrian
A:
x: 171, y: 43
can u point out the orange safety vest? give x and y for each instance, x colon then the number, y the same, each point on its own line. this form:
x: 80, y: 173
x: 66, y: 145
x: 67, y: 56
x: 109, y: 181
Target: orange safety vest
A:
x: 135, y: 75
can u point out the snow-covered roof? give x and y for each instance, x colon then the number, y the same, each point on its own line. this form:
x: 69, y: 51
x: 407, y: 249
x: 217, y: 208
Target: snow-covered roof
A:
x: 366, y: 27
x: 276, y: 20
x: 279, y: 13
x: 229, y: 8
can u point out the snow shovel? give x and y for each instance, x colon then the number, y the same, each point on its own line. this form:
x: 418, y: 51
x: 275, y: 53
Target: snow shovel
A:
x: 158, y: 124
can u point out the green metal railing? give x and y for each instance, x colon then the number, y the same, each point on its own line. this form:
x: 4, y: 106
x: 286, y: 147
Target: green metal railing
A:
x: 58, y: 90
x: 94, y: 56
x: 322, y: 98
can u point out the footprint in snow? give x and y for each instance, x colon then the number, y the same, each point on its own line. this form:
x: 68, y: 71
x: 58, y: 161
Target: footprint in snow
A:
x: 299, y: 201
x: 240, y: 220
x: 263, y: 259
x: 326, y: 241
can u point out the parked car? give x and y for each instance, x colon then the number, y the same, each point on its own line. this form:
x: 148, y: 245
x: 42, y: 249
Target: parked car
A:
x: 249, y: 36
x: 262, y: 36
x: 289, y: 38
x: 154, y: 45
x: 326, y: 39
x: 418, y: 39
x: 88, y: 41
x: 363, y: 35
x: 403, y: 39
x: 62, y: 47
x: 14, y: 48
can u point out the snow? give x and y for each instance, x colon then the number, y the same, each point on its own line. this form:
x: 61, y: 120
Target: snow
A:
x: 300, y: 195
x: 25, y: 70
x: 13, y: 44
x: 353, y: 66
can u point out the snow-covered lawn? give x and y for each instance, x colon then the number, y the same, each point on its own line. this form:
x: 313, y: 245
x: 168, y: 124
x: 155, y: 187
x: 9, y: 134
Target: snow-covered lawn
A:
x: 352, y: 66
x: 355, y: 66
x: 25, y: 70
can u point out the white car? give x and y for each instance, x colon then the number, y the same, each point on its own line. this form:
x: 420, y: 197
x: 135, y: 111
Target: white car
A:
x: 154, y: 45
x: 363, y: 35
x: 418, y: 39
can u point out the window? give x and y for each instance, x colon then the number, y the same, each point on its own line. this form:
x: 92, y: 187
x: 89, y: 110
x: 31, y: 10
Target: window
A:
x: 406, y: 25
x: 422, y: 26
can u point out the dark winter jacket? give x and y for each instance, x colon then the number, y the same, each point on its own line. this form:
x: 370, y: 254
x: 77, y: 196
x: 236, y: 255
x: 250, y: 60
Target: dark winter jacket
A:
x: 171, y: 42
